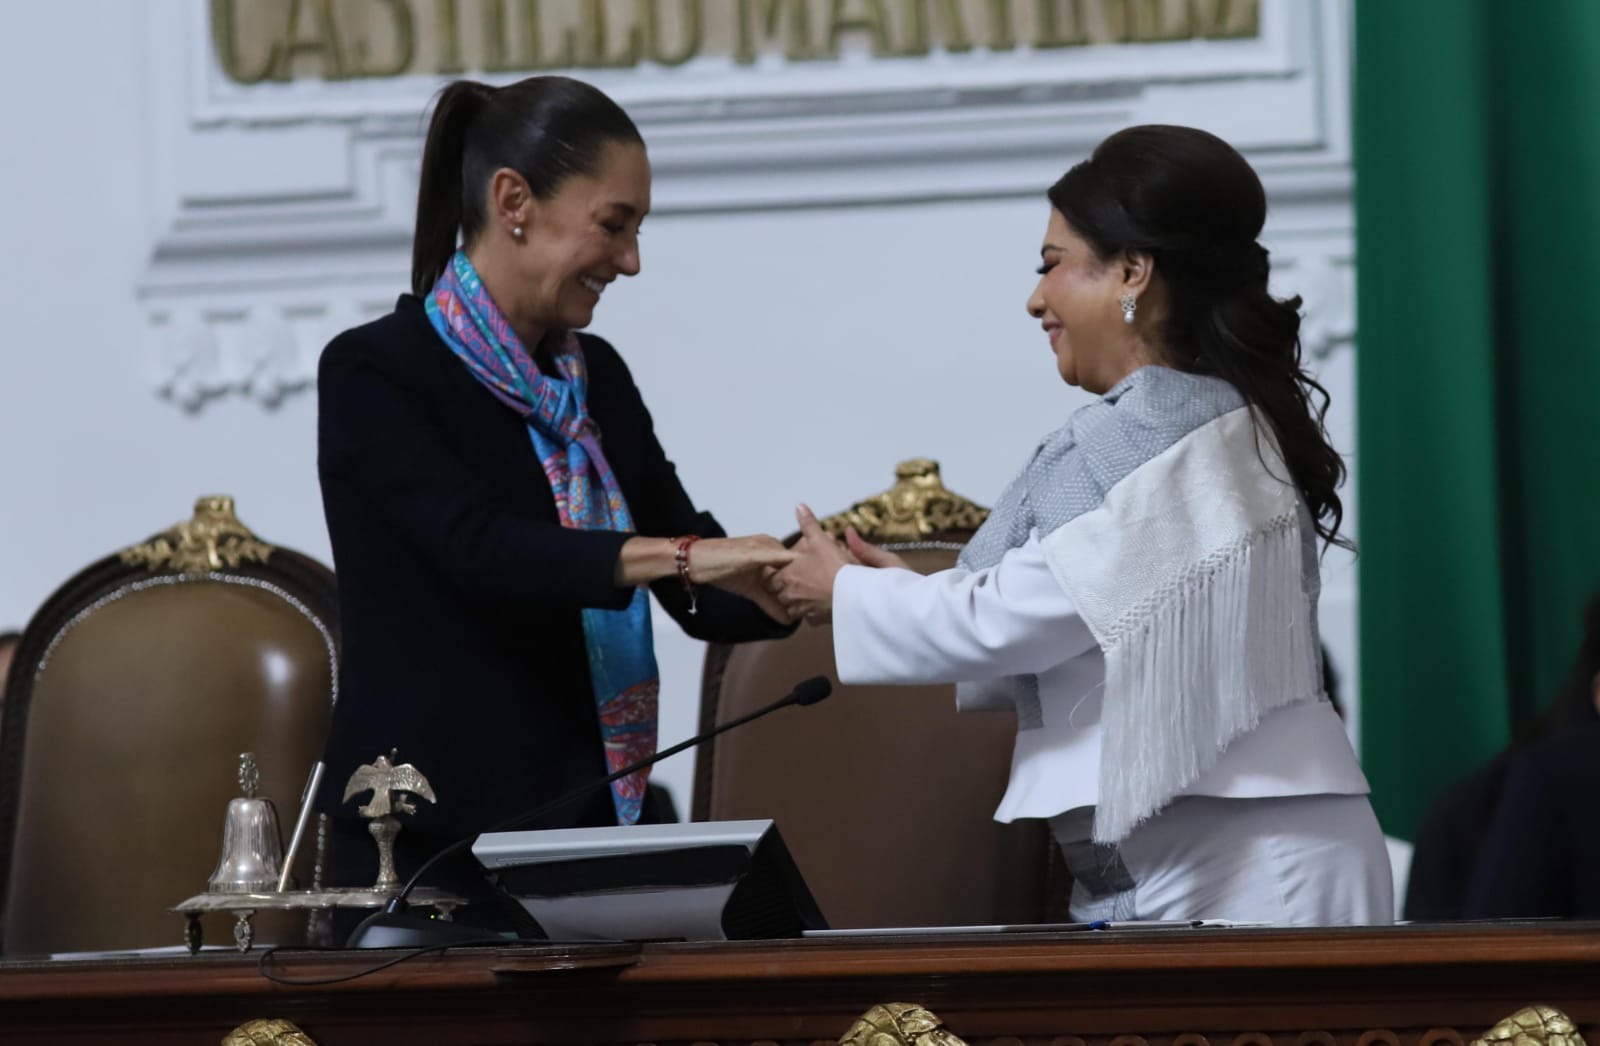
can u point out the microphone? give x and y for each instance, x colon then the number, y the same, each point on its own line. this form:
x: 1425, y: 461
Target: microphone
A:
x: 391, y: 927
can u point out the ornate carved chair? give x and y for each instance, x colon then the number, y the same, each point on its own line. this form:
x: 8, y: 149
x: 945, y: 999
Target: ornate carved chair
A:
x: 135, y: 689
x: 884, y: 794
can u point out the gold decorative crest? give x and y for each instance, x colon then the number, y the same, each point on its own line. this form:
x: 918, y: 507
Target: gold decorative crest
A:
x: 916, y: 508
x: 1533, y: 1026
x: 213, y: 539
x: 267, y: 1032
x: 899, y: 1024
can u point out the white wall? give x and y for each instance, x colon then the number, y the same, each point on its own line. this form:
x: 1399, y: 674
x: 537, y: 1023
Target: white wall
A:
x: 93, y: 460
x: 787, y: 352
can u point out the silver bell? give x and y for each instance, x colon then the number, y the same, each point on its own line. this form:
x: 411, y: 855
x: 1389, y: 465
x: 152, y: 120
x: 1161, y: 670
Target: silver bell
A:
x: 252, y: 849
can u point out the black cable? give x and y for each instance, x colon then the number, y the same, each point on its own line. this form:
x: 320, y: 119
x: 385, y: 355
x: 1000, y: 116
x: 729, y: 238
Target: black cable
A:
x: 266, y: 957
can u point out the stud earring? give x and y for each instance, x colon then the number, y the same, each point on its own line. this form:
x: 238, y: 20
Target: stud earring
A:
x: 1129, y: 303
x: 516, y: 232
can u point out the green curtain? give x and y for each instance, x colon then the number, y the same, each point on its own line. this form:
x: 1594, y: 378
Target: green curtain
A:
x: 1477, y: 145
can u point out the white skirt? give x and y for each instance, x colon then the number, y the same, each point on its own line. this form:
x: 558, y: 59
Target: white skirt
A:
x: 1313, y: 860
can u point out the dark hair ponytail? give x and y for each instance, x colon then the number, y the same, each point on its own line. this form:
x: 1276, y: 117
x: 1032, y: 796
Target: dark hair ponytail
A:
x: 1190, y: 201
x: 546, y: 128
x: 439, y: 192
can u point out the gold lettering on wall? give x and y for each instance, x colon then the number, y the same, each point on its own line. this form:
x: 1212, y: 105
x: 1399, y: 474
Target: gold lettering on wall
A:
x: 949, y: 25
x: 792, y: 18
x: 689, y: 28
x: 1056, y: 27
x: 447, y: 25
x: 257, y: 40
x: 404, y: 51
x: 1002, y: 35
x: 868, y: 17
x: 225, y: 40
x: 497, y: 42
x: 320, y: 44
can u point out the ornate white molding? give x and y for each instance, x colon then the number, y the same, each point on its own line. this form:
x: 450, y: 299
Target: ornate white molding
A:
x: 282, y: 212
x: 1329, y: 289
x: 265, y: 351
x: 1319, y: 266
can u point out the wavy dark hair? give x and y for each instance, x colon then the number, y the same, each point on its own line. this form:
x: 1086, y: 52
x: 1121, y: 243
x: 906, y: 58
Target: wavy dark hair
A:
x: 546, y: 128
x: 1191, y: 202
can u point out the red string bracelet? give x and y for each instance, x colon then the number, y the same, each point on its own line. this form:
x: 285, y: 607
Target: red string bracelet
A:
x: 681, y: 557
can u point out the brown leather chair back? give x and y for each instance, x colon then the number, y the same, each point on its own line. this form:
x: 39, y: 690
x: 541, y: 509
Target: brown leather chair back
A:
x: 137, y: 686
x: 885, y: 795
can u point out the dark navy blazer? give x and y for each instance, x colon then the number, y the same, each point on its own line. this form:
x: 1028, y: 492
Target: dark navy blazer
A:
x: 460, y: 592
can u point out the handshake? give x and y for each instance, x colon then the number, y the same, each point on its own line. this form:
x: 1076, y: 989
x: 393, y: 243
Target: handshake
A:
x: 787, y: 583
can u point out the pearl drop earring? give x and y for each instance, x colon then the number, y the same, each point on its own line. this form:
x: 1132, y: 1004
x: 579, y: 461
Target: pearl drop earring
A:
x: 517, y: 232
x: 1129, y: 303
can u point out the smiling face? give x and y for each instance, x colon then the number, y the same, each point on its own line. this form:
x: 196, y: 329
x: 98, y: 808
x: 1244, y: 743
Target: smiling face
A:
x: 546, y: 263
x: 1077, y: 301
x: 581, y: 239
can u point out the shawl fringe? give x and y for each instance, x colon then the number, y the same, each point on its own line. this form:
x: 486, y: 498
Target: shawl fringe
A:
x: 1197, y: 664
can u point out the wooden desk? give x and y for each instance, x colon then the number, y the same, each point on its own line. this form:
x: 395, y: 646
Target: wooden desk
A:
x: 1439, y: 986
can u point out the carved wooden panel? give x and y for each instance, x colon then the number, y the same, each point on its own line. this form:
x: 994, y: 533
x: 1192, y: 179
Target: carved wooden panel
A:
x: 1307, y: 1037
x: 1405, y: 986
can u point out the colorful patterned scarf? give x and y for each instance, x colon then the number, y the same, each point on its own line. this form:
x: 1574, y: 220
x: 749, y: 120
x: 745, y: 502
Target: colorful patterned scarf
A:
x: 622, y: 659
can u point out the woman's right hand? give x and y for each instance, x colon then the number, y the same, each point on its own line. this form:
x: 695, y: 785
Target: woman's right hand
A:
x: 742, y: 566
x: 871, y: 555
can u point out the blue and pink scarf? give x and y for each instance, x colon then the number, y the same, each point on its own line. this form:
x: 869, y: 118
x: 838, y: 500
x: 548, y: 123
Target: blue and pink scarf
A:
x: 622, y: 659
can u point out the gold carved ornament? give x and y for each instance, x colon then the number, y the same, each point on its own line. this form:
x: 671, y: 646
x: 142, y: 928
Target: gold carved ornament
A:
x: 213, y: 539
x: 267, y: 1032
x: 899, y: 1024
x: 1533, y: 1026
x: 916, y: 508
x: 907, y: 1024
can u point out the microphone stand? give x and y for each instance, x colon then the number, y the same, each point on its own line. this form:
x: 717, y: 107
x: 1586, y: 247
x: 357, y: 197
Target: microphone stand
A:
x: 393, y: 927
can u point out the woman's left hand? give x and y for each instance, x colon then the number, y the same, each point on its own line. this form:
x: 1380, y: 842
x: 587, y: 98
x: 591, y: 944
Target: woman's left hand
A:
x: 805, y: 586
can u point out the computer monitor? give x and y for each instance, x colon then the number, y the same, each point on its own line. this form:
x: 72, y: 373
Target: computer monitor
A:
x: 710, y: 881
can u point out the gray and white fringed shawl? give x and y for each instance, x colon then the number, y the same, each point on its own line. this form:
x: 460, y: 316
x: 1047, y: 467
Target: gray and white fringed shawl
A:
x: 1169, y: 519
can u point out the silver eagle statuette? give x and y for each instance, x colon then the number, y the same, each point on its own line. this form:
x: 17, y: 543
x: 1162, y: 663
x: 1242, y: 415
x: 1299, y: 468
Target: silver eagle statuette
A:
x: 384, y: 779
x: 390, y: 785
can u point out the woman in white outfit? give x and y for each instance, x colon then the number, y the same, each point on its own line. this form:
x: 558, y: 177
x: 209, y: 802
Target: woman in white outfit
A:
x: 1145, y: 591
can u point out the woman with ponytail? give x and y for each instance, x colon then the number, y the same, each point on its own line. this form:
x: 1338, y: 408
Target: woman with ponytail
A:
x: 496, y: 497
x: 1145, y: 592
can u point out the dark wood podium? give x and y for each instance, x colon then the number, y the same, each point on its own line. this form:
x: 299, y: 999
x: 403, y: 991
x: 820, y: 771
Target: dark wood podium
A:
x: 1403, y: 986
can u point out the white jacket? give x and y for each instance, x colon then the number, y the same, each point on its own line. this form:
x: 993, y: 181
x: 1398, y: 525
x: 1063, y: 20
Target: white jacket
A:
x: 896, y: 626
